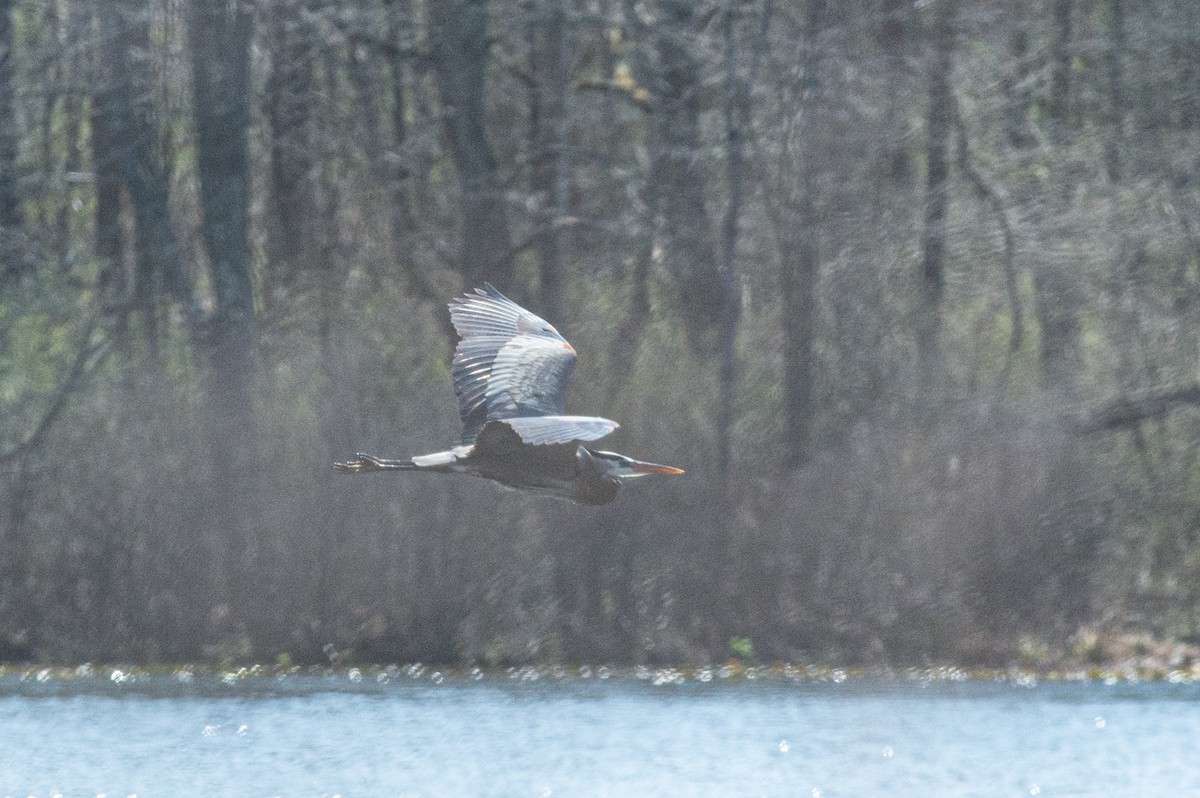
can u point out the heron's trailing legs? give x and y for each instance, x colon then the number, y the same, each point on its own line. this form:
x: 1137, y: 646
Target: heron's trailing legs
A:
x: 363, y: 463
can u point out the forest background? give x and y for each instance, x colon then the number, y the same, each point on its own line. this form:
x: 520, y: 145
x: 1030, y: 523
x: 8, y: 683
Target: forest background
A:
x: 910, y: 290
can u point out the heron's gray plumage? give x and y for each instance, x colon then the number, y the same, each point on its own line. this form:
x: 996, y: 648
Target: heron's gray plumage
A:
x: 543, y: 430
x: 510, y: 373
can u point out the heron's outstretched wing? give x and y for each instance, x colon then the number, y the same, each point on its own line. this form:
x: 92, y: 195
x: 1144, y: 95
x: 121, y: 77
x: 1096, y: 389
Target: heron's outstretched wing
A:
x: 510, y: 363
x: 546, y: 430
x: 510, y: 434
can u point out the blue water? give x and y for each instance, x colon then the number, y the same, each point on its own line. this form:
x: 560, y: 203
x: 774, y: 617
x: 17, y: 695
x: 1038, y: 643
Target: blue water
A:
x: 422, y: 734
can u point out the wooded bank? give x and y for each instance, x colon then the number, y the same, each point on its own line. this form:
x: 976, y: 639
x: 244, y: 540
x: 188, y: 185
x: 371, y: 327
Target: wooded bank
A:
x: 910, y: 290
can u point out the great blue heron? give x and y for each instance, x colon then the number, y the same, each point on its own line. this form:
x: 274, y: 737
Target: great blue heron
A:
x: 510, y: 376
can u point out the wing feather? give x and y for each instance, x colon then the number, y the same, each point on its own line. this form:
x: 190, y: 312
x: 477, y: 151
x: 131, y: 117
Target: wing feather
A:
x: 507, y: 436
x: 529, y: 378
x: 509, y: 362
x: 547, y: 430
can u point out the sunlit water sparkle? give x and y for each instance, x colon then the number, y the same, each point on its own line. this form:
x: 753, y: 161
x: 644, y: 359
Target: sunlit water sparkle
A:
x: 417, y: 731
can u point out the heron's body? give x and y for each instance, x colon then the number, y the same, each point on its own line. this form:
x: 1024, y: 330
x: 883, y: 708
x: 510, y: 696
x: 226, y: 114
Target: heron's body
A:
x: 556, y: 470
x: 510, y: 376
x: 559, y: 469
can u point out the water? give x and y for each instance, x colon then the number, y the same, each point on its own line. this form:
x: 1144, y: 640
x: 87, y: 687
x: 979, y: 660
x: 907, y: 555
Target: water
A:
x: 421, y: 734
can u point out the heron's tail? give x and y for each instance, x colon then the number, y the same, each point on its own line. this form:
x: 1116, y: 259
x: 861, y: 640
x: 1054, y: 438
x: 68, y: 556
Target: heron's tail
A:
x: 365, y: 463
x: 437, y: 460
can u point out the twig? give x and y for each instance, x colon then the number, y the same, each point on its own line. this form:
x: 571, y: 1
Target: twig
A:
x: 612, y: 87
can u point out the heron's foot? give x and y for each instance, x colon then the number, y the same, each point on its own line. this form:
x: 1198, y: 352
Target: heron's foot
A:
x: 361, y: 464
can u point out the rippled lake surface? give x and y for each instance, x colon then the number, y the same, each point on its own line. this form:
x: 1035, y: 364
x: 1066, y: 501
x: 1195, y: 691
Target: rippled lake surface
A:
x: 420, y: 733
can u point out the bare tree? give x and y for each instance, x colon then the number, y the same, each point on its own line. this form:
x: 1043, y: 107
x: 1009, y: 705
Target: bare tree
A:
x: 736, y: 114
x: 1116, y: 89
x: 458, y: 33
x: 220, y: 35
x: 1015, y: 82
x: 110, y: 71
x: 798, y: 233
x: 10, y: 207
x: 125, y: 149
x: 1188, y: 60
x: 690, y: 250
x: 1060, y: 59
x: 290, y: 42
x: 893, y: 21
x: 402, y: 216
x: 550, y: 66
x: 938, y: 119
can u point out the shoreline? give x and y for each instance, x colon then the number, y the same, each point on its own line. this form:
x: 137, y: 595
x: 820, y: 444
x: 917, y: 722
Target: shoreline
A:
x: 733, y: 671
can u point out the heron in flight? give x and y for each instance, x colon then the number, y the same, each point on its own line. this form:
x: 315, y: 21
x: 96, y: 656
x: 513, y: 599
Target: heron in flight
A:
x: 510, y: 376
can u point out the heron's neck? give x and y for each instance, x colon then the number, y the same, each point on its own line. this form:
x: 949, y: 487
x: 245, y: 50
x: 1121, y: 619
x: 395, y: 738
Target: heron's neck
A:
x: 595, y: 487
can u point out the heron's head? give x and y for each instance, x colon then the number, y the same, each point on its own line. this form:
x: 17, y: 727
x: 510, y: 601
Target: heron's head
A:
x: 618, y: 466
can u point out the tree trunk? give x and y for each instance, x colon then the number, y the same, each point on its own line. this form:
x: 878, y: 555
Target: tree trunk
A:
x: 458, y: 35
x: 550, y: 65
x: 736, y: 113
x: 124, y: 144
x: 691, y: 257
x: 109, y: 241
x: 109, y: 238
x: 1058, y: 319
x: 1187, y: 60
x: 10, y: 206
x: 220, y: 35
x: 622, y: 356
x: 289, y: 93
x: 402, y: 219
x: 1055, y: 284
x: 933, y: 233
x: 801, y: 260
x: 1060, y: 63
x: 71, y: 105
x: 1116, y: 99
x: 1014, y: 90
x: 892, y: 39
x: 737, y: 117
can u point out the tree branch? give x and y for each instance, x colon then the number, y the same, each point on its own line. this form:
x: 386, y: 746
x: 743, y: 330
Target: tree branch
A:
x: 634, y: 98
x: 1130, y: 410
x: 357, y: 36
x: 75, y: 375
x: 996, y: 197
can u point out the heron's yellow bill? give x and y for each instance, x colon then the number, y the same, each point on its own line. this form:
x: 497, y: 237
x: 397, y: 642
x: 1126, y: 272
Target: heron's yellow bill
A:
x: 651, y: 468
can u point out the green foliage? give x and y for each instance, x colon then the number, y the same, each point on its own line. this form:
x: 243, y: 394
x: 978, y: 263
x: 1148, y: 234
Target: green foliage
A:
x: 36, y: 345
x: 742, y: 648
